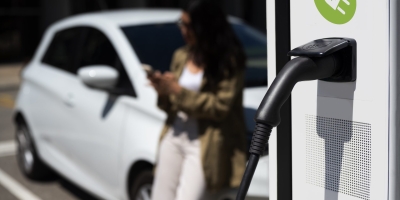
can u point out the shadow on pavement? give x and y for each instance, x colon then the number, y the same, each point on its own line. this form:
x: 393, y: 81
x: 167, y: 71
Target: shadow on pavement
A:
x: 75, y: 190
x: 70, y: 187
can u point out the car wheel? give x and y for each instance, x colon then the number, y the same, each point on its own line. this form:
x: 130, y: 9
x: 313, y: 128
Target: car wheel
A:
x: 140, y: 188
x: 28, y: 160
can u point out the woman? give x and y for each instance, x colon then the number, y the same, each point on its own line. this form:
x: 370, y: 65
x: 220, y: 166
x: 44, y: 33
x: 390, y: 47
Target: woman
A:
x: 202, y: 148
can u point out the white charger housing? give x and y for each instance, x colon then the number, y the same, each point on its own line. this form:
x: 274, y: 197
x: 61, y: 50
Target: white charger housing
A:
x: 345, y: 136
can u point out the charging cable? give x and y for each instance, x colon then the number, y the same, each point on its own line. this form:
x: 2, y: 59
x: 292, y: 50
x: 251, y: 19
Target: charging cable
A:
x: 328, y: 59
x: 268, y: 113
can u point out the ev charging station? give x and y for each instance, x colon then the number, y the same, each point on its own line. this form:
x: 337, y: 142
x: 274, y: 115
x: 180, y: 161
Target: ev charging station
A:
x: 337, y: 140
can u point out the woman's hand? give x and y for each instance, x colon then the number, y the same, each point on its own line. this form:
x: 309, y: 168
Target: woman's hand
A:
x: 170, y: 82
x: 155, y: 81
x: 165, y: 84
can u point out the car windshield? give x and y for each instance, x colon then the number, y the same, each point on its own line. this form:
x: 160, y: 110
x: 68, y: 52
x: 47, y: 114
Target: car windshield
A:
x: 155, y: 44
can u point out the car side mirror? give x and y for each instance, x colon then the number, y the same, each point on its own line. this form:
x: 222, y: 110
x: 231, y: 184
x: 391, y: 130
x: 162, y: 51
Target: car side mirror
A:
x: 99, y: 76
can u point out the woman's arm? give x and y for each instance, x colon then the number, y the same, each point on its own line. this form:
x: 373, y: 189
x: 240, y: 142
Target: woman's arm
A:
x: 163, y: 101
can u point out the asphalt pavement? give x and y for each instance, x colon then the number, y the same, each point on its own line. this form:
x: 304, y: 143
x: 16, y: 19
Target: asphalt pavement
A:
x: 13, y: 184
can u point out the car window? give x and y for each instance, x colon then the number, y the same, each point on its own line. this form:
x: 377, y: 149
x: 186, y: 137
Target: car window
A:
x: 155, y: 44
x: 62, y: 49
x: 97, y: 49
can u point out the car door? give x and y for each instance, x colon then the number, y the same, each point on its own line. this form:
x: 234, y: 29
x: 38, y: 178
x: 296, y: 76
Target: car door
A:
x: 99, y: 117
x: 50, y: 85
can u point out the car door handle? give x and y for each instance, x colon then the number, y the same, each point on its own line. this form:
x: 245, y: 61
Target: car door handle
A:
x: 69, y: 100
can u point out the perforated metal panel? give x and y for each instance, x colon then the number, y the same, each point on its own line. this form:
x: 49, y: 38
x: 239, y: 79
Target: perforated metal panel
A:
x: 338, y: 155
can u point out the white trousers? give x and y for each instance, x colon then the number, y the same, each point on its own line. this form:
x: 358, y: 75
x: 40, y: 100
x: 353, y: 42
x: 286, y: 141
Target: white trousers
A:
x: 179, y: 174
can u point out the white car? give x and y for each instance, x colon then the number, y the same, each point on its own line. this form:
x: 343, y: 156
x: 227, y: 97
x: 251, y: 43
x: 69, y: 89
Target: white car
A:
x: 85, y: 108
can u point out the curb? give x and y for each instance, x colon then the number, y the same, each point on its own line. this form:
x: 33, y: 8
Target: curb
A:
x: 10, y: 76
x: 6, y: 88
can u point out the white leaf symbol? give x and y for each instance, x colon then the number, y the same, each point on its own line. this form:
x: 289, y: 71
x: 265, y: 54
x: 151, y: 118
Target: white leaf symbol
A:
x: 335, y: 5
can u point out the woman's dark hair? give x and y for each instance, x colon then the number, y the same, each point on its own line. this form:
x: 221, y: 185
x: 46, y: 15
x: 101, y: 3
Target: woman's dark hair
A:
x: 217, y: 47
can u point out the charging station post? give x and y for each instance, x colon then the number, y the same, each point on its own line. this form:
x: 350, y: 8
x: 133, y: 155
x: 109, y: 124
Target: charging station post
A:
x: 344, y: 134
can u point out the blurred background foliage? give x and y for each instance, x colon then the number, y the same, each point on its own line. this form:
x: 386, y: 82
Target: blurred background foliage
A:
x: 23, y: 22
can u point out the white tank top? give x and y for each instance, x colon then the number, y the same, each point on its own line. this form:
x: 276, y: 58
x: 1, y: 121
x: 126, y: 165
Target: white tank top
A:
x: 191, y: 81
x: 184, y: 123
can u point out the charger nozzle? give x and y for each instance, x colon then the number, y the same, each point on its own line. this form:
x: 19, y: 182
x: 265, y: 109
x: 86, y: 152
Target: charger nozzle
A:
x: 330, y: 59
x: 268, y: 113
x: 296, y: 70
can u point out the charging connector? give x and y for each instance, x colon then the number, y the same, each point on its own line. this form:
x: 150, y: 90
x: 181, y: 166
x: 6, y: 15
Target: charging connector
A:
x: 326, y: 59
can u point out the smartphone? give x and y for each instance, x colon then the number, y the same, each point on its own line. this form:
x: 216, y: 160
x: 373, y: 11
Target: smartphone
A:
x: 148, y: 69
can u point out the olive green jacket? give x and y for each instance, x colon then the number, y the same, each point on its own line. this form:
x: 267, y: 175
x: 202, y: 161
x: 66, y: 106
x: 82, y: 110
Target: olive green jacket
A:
x: 219, y: 111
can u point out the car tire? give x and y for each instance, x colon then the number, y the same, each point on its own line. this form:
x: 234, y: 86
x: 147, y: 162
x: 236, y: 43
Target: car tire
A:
x: 28, y: 160
x: 140, y: 188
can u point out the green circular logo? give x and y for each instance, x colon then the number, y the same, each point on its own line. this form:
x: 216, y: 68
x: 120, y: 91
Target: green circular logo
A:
x: 337, y: 11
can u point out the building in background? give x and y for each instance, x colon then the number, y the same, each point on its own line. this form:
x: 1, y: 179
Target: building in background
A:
x: 22, y: 22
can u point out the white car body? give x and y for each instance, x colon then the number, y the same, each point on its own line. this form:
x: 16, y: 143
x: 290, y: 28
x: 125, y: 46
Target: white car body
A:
x: 99, y: 155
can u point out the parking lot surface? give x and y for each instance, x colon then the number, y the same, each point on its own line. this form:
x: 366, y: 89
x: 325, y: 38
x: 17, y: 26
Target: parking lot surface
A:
x: 13, y: 184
